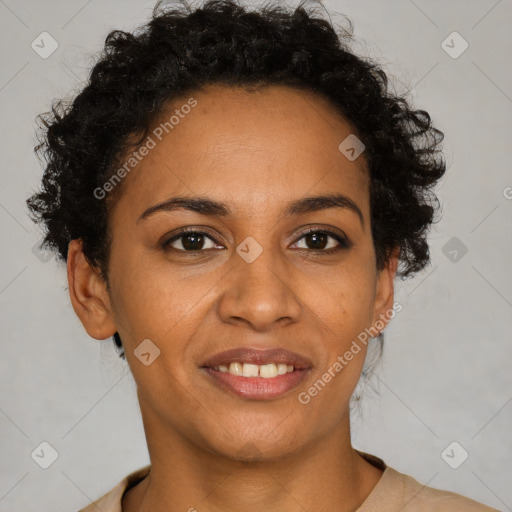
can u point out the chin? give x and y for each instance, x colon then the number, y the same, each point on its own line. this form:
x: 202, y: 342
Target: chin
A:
x: 254, y: 446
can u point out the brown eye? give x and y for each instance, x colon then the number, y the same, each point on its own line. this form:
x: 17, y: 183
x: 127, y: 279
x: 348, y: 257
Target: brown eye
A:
x: 324, y: 241
x: 190, y: 241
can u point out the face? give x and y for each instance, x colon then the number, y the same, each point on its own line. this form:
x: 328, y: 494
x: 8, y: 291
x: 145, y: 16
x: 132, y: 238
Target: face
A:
x: 250, y: 275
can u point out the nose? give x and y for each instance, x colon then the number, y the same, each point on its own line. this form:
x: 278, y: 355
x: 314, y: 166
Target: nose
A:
x: 259, y: 294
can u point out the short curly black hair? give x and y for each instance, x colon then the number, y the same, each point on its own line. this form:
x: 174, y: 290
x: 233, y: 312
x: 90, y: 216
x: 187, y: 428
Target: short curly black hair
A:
x: 180, y: 50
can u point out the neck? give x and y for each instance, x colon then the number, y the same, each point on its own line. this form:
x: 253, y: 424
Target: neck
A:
x: 327, y: 475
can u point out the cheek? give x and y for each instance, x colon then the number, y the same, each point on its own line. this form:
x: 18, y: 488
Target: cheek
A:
x: 143, y: 288
x: 344, y: 300
x: 345, y: 313
x: 160, y: 304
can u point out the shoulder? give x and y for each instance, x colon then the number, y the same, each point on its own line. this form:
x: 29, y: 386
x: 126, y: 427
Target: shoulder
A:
x: 398, y: 491
x: 416, y: 497
x: 111, y: 502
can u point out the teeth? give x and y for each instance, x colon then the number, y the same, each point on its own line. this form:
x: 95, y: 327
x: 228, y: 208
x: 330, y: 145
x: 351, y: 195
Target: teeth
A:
x: 282, y: 369
x: 267, y: 371
x: 249, y: 370
x: 236, y: 368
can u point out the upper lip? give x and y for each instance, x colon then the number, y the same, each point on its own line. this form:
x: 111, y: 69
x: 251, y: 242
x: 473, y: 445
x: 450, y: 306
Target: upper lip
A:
x: 259, y: 357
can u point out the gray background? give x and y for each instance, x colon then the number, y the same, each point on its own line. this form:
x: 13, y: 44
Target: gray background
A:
x: 446, y: 373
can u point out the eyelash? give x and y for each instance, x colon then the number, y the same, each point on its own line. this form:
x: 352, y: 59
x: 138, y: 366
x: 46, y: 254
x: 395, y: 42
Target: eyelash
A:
x: 343, y: 242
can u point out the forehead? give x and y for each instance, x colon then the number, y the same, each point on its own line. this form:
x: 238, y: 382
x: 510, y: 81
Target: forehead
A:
x: 250, y: 148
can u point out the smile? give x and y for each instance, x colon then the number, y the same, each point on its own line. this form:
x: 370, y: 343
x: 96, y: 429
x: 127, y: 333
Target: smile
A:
x: 254, y: 386
x: 267, y: 371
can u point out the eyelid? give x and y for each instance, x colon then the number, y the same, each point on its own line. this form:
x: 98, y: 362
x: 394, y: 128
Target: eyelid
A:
x: 168, y: 238
x: 343, y: 241
x: 323, y: 229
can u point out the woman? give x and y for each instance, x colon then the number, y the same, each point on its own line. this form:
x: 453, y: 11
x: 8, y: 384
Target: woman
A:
x: 234, y: 193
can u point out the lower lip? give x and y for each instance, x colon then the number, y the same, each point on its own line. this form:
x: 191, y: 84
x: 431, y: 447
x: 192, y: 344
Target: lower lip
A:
x: 258, y: 388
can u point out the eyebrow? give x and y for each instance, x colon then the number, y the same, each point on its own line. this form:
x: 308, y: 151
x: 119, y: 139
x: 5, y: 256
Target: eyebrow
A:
x: 212, y: 208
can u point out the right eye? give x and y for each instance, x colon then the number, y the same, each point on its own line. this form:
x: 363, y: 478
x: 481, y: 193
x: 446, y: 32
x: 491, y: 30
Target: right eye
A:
x: 188, y: 241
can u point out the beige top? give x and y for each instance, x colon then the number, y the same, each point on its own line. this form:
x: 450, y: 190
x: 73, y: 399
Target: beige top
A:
x: 394, y: 492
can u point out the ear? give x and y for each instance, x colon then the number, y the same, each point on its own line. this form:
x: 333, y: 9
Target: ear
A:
x: 88, y: 294
x: 384, y: 291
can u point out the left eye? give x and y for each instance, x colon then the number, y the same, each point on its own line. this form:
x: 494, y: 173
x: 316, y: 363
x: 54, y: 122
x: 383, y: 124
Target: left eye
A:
x: 319, y: 238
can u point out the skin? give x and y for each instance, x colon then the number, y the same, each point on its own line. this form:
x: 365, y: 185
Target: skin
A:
x: 210, y: 449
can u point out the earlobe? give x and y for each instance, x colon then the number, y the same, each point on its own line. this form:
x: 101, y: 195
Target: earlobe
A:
x: 88, y: 294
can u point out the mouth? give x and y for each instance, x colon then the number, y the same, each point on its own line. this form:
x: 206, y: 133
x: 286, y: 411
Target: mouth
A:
x: 257, y: 374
